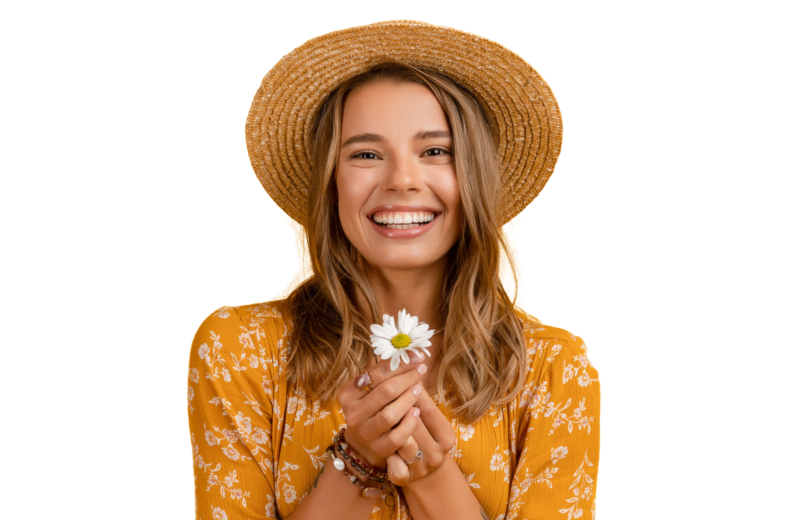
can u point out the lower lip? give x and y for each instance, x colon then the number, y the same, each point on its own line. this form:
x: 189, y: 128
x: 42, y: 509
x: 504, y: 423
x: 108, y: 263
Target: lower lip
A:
x: 402, y: 233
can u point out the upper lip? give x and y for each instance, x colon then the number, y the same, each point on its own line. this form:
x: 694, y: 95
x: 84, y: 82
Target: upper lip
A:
x: 402, y: 209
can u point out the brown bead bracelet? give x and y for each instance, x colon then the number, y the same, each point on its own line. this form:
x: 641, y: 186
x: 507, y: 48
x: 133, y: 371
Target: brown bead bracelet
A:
x: 365, y: 469
x: 367, y: 492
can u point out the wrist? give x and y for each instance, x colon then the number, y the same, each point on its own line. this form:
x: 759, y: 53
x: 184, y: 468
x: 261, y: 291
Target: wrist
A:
x: 380, y: 465
x: 435, y: 478
x: 368, y: 488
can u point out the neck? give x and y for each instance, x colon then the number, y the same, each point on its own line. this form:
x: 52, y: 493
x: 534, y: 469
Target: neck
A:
x: 418, y: 291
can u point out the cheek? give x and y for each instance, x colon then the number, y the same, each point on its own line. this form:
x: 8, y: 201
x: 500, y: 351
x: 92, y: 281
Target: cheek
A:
x: 352, y: 196
x: 455, y: 200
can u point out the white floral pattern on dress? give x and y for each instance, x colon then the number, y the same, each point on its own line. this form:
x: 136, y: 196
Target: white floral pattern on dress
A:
x: 464, y: 431
x: 500, y: 462
x: 582, y: 490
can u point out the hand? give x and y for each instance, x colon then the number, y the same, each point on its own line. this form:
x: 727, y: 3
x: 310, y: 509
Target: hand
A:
x: 381, y: 421
x: 433, y: 436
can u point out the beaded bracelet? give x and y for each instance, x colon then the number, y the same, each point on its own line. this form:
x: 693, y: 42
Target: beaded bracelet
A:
x: 369, y: 493
x: 342, y: 448
x: 365, y: 469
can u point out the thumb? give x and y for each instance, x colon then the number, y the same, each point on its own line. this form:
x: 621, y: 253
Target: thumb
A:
x: 397, y: 470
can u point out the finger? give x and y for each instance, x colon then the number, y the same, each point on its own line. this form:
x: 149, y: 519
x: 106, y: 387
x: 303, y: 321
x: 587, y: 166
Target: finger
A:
x: 382, y: 370
x: 424, y: 440
x: 433, y: 458
x: 393, y: 439
x: 408, y: 450
x: 397, y: 470
x: 391, y: 411
x: 355, y: 389
x: 389, y: 390
x: 438, y: 426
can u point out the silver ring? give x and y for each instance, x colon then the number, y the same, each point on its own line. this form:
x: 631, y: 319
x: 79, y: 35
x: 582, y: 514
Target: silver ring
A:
x: 417, y: 457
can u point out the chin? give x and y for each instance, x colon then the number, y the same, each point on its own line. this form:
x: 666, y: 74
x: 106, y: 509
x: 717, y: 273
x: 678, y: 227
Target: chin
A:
x: 403, y: 262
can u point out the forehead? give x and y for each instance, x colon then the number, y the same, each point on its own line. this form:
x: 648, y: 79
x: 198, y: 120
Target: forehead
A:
x: 393, y: 109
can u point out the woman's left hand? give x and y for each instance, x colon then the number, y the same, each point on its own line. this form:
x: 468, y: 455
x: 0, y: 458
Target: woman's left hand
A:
x: 433, y: 436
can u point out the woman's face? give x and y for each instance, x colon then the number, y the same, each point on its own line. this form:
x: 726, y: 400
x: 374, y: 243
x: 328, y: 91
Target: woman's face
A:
x: 396, y: 181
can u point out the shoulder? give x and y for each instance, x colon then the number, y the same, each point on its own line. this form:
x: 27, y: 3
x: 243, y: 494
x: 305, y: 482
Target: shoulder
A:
x: 549, y: 347
x: 534, y: 329
x: 239, y: 353
x: 243, y: 330
x: 267, y: 314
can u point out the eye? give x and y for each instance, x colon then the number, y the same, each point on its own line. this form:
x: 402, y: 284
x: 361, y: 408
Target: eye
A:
x: 364, y: 155
x: 436, y: 152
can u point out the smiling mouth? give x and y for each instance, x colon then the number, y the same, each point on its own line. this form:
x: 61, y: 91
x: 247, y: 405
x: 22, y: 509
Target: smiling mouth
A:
x: 404, y: 226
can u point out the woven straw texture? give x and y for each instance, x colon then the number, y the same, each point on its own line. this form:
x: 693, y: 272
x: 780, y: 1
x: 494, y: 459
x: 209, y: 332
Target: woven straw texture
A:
x: 525, y: 114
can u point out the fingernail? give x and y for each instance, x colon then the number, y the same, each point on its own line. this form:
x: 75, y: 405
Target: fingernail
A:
x: 422, y: 369
x: 362, y: 380
x: 417, y: 389
x: 416, y: 412
x: 416, y: 356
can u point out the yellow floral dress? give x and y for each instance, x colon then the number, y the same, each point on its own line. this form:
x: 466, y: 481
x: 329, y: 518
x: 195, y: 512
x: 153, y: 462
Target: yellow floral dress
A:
x: 258, y: 440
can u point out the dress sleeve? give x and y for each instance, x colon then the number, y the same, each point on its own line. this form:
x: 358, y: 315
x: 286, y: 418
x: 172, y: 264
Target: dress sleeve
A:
x: 230, y: 419
x: 558, y: 435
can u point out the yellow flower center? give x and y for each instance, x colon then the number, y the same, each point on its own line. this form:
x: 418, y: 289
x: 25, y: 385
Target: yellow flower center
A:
x: 401, y: 341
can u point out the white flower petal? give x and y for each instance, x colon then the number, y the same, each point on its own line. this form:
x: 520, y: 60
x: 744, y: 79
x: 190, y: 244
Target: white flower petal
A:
x: 422, y: 336
x: 382, y: 342
x: 378, y: 330
x: 420, y: 344
x: 393, y: 365
x: 422, y: 329
x: 402, y: 321
x: 387, y: 354
x: 411, y: 325
x: 405, y: 356
x: 386, y: 319
x: 426, y: 351
x: 380, y: 350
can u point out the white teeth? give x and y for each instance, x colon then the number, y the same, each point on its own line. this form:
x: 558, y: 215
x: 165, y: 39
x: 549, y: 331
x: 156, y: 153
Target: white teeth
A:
x: 403, y: 220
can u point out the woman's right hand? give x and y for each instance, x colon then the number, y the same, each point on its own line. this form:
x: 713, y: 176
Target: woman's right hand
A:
x: 380, y: 421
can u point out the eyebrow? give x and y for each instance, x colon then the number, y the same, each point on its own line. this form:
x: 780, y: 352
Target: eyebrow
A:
x: 375, y: 138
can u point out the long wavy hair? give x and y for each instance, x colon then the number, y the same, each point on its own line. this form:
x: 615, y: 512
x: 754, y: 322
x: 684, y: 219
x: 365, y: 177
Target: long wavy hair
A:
x: 483, y: 351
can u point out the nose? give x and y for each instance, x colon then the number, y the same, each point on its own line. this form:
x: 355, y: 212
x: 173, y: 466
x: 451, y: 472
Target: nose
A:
x: 403, y: 175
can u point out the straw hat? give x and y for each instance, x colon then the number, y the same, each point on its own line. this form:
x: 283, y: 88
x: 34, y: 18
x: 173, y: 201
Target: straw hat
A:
x: 522, y: 107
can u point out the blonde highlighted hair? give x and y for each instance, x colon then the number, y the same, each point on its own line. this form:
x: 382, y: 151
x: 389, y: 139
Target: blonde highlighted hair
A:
x: 484, y: 352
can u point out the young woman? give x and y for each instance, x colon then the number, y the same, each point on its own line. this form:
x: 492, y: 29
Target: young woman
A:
x: 402, y: 148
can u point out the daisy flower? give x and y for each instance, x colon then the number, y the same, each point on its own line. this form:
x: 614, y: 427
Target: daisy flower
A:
x: 390, y: 341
